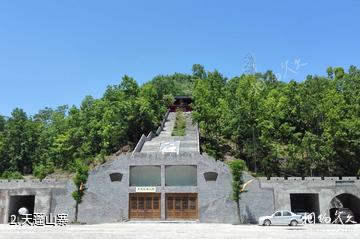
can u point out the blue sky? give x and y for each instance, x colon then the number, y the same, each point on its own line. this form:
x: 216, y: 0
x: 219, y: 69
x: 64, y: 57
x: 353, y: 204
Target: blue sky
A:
x: 56, y: 52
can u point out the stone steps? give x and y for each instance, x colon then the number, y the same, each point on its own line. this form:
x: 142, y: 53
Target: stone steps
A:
x: 188, y: 143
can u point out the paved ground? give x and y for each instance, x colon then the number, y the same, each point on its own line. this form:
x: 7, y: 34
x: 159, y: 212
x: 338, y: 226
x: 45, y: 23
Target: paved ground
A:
x: 179, y: 230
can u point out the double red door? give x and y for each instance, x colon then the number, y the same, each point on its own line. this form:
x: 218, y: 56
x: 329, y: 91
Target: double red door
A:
x: 181, y: 206
x: 144, y: 206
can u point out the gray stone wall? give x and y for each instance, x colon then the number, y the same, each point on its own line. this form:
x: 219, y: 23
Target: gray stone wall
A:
x: 327, y: 188
x: 51, y: 196
x: 264, y: 196
x: 256, y: 201
x: 107, y: 201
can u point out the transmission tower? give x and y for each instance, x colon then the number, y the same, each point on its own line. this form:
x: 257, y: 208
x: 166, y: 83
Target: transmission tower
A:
x: 249, y: 64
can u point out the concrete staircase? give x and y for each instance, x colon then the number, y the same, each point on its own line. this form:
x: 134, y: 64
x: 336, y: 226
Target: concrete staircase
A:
x: 188, y: 143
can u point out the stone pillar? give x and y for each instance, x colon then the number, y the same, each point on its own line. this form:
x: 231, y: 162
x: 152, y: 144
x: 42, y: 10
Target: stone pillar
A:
x: 325, y: 197
x: 43, y: 201
x: 3, y: 206
x: 162, y: 196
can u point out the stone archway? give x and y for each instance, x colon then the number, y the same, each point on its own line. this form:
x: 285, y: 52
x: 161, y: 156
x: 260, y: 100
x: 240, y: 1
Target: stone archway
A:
x: 345, y: 200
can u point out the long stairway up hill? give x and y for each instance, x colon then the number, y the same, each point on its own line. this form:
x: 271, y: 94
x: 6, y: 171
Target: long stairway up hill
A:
x: 165, y: 142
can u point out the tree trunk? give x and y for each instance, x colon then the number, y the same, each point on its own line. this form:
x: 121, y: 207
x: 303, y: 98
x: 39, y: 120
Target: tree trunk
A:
x: 238, y: 211
x: 254, y: 149
x: 76, y: 211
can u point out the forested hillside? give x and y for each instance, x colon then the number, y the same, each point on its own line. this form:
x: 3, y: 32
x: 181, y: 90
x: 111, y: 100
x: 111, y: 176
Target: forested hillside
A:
x: 311, y: 128
x: 56, y: 139
x: 308, y: 128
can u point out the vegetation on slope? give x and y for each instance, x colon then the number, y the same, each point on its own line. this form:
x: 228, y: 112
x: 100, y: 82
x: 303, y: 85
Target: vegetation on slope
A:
x: 308, y: 128
x: 55, y: 139
x: 180, y: 124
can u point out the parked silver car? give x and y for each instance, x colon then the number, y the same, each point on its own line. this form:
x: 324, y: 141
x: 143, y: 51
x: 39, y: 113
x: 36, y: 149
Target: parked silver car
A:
x: 283, y: 217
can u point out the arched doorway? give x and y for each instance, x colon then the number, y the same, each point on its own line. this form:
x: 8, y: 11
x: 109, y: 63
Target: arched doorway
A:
x: 345, y: 200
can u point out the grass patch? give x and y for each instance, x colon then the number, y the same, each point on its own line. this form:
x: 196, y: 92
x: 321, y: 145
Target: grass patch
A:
x: 180, y: 124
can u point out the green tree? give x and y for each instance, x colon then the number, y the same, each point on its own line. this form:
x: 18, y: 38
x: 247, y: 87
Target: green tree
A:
x: 237, y: 167
x: 199, y: 71
x: 79, y: 180
x: 2, y: 123
x: 245, y: 110
x: 19, y: 142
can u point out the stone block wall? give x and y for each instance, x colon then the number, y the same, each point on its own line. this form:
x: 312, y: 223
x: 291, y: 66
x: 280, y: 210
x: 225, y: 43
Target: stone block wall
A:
x: 51, y: 196
x: 107, y: 201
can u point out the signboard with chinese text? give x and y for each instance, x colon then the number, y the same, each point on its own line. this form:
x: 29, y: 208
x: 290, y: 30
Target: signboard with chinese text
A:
x: 145, y: 189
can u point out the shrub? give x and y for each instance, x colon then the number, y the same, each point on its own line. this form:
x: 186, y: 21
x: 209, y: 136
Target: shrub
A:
x: 40, y: 171
x: 11, y: 175
x: 180, y: 124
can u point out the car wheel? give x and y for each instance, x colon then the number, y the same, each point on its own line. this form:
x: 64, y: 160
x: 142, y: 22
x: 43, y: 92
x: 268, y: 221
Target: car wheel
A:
x: 267, y: 223
x: 293, y: 223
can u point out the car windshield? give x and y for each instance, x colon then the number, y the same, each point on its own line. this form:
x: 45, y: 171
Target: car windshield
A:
x: 277, y: 214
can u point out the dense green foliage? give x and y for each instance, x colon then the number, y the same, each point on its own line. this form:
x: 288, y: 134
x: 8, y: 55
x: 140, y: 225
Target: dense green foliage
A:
x: 11, y: 175
x: 58, y: 138
x: 308, y: 128
x: 180, y: 124
x: 80, y: 179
